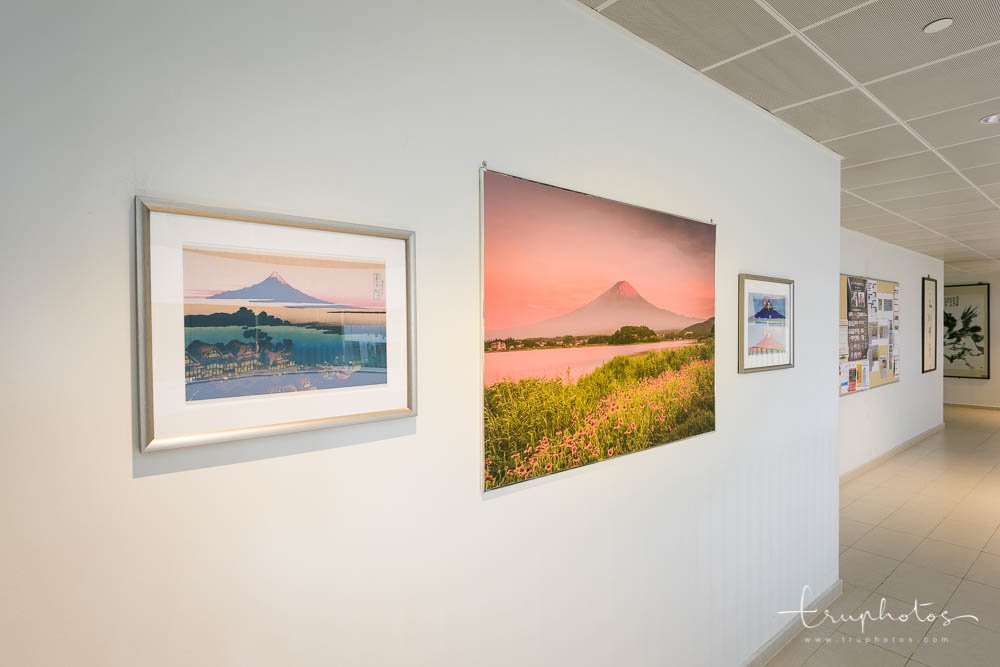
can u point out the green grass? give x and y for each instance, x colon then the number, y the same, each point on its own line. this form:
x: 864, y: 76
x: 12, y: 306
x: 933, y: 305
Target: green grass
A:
x: 539, y: 426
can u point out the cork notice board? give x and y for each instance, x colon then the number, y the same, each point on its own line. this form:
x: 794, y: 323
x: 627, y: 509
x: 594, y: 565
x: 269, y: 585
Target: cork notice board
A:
x: 869, y: 333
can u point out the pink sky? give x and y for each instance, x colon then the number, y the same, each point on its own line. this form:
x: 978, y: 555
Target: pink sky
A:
x: 549, y: 251
x: 345, y: 281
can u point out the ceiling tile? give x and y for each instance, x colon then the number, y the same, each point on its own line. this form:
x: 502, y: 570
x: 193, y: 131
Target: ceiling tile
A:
x: 958, y: 125
x: 887, y: 36
x: 875, y: 145
x: 930, y: 201
x: 865, y: 224
x: 778, y: 75
x: 886, y: 231
x: 992, y: 191
x: 836, y: 116
x: 802, y: 14
x: 860, y: 212
x: 958, y: 253
x: 974, y: 153
x: 936, y: 212
x: 982, y: 233
x: 914, y: 186
x: 985, y: 175
x: 963, y: 80
x: 897, y: 169
x: 697, y: 32
x: 979, y: 266
x: 986, y: 220
x: 847, y: 200
x: 983, y: 216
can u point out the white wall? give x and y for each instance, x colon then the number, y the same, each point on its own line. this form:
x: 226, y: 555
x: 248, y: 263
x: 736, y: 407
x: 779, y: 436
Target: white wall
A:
x: 874, y: 422
x: 373, y: 545
x: 968, y: 391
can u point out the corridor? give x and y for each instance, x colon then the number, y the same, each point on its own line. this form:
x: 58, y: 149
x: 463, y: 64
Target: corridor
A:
x: 922, y: 525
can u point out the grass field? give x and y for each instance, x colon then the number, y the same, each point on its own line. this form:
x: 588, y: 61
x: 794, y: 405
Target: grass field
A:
x: 535, y: 427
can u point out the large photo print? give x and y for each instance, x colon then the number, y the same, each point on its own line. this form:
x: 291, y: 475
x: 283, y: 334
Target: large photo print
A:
x: 599, y: 322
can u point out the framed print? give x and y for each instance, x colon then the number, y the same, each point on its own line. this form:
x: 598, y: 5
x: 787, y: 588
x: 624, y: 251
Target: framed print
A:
x: 766, y: 329
x: 599, y: 325
x: 966, y: 341
x: 868, y: 333
x: 928, y: 306
x: 253, y: 324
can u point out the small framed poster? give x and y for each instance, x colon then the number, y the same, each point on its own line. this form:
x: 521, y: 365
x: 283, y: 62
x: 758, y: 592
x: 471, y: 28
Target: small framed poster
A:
x: 767, y: 323
x: 253, y: 324
x: 929, y: 328
x: 966, y: 341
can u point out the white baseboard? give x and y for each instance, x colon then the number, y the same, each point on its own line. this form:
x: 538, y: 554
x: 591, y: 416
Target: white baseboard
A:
x: 793, y: 627
x: 973, y: 405
x: 865, y: 467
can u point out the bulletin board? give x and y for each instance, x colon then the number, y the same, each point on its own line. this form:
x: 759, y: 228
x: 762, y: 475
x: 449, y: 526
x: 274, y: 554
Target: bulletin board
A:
x: 869, y: 333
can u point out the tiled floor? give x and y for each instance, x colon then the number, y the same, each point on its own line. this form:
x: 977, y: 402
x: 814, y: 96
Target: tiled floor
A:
x: 923, y: 525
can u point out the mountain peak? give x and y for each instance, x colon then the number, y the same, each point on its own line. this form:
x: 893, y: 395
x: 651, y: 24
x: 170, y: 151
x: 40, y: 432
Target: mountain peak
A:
x: 624, y: 288
x: 273, y: 288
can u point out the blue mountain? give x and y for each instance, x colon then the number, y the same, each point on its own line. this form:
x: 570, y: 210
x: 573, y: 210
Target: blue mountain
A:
x: 273, y: 288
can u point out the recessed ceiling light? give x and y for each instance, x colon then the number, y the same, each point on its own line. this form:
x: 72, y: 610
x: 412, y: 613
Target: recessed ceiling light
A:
x: 938, y: 25
x: 992, y: 119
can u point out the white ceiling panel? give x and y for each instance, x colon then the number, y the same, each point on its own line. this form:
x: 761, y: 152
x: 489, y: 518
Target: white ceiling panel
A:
x: 931, y: 201
x: 959, y: 125
x: 896, y: 169
x: 882, y: 144
x: 937, y: 212
x: 978, y: 266
x: 962, y: 80
x: 887, y: 37
x: 985, y: 175
x: 984, y: 216
x: 913, y: 187
x: 974, y: 154
x: 992, y: 191
x: 836, y: 116
x: 848, y: 200
x: 855, y: 213
x: 778, y: 75
x: 905, y: 114
x: 802, y: 14
x: 697, y: 32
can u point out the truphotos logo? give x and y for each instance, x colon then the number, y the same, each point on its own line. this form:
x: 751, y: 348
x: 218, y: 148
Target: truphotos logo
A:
x: 912, y: 615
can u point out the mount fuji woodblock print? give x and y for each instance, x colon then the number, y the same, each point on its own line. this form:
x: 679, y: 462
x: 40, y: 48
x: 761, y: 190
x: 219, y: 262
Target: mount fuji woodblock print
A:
x: 248, y: 330
x: 254, y: 324
x: 599, y: 329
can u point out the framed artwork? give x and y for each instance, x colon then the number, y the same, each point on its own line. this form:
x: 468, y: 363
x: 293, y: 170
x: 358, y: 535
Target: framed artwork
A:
x: 928, y: 306
x: 966, y: 340
x: 599, y: 329
x: 767, y: 326
x: 253, y: 324
x: 869, y: 333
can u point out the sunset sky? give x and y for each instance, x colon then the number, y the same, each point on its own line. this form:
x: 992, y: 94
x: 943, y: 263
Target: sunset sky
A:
x: 549, y: 251
x: 347, y: 281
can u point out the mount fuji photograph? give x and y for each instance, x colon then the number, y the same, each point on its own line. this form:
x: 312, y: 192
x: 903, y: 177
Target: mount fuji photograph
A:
x: 264, y: 323
x: 599, y: 325
x: 618, y: 306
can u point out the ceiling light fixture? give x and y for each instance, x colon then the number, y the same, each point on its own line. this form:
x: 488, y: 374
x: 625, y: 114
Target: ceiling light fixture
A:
x: 992, y: 119
x: 938, y: 25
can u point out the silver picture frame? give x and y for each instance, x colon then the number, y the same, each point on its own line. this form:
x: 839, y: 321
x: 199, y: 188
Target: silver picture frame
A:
x: 742, y: 317
x: 144, y: 207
